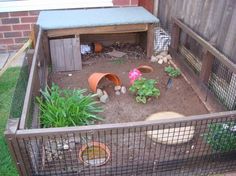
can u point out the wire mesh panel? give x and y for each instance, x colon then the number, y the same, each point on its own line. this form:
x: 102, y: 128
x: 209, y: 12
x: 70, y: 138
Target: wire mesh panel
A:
x: 190, y: 147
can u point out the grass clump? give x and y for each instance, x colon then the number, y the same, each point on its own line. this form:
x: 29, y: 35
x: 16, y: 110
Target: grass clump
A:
x: 172, y: 72
x: 63, y: 107
x: 144, y: 88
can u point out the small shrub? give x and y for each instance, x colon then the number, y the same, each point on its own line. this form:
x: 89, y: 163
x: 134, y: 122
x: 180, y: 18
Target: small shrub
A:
x: 60, y: 108
x: 221, y: 136
x: 172, y: 72
x: 144, y: 88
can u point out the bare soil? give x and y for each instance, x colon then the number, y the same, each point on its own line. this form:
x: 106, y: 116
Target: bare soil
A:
x: 180, y: 98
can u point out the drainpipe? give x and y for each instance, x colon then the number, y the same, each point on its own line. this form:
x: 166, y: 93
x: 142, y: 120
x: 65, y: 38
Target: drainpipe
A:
x: 155, y: 7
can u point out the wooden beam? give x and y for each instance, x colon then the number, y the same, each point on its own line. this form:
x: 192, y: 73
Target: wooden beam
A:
x: 98, y: 30
x: 206, y: 45
x: 150, y: 40
x: 207, y: 62
x: 30, y: 85
x: 175, y: 36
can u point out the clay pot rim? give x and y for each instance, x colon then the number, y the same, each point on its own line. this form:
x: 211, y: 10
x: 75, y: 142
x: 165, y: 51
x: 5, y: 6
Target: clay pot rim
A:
x: 147, y: 68
x: 93, y: 84
x: 96, y: 144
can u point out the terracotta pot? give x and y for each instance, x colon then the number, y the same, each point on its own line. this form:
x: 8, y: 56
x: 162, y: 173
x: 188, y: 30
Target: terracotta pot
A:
x: 95, y: 78
x: 145, y: 69
x: 97, y: 47
x: 94, y: 154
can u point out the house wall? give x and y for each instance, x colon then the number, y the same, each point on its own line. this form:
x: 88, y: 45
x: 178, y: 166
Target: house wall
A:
x: 15, y: 27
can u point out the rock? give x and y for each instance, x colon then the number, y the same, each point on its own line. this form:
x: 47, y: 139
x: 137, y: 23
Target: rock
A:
x: 99, y: 93
x: 117, y: 92
x: 165, y: 59
x: 154, y: 59
x: 123, y: 89
x: 104, y: 98
x: 163, y: 53
x: 70, y: 74
x: 116, y: 88
x: 66, y: 147
x: 168, y: 57
x: 160, y: 61
x: 105, y: 92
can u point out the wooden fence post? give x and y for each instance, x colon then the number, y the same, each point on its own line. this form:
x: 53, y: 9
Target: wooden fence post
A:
x: 13, y: 146
x: 150, y: 40
x: 175, y: 36
x: 206, y: 68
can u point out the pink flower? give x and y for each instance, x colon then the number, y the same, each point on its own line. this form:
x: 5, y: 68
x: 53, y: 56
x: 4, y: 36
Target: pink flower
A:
x: 134, y: 75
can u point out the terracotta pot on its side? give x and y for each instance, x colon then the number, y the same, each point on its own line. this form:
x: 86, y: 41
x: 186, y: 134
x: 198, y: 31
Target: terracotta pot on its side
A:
x: 97, y: 47
x: 145, y: 69
x: 95, y: 78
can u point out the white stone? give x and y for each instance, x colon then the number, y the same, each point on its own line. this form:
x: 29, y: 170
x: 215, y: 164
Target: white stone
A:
x: 164, y: 53
x: 123, y: 89
x: 105, y: 92
x: 104, y: 98
x: 160, y: 61
x: 66, y: 147
x: 165, y: 59
x: 99, y: 93
x: 117, y: 92
x: 116, y: 88
x: 159, y: 57
x: 154, y: 59
x: 70, y: 74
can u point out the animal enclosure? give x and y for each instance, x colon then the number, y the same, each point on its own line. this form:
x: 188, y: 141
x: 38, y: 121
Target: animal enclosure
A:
x: 139, y: 147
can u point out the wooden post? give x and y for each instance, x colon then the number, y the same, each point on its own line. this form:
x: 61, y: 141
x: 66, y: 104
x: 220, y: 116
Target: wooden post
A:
x: 13, y: 146
x: 29, y: 58
x: 206, y: 69
x: 230, y: 99
x: 175, y: 36
x: 150, y: 40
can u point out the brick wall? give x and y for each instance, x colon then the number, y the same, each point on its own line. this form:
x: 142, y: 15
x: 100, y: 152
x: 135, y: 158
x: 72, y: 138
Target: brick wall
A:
x: 15, y: 27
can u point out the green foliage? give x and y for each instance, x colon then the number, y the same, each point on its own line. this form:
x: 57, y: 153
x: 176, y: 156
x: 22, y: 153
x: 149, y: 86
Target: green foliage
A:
x: 221, y: 136
x: 144, y: 88
x: 172, y: 72
x: 60, y: 108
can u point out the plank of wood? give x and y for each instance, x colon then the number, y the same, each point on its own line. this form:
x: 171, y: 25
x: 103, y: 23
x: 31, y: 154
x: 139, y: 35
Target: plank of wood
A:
x: 150, y: 40
x: 206, y: 68
x: 31, y: 84
x: 98, y: 30
x: 57, y: 55
x: 175, y: 36
x: 68, y: 54
x: 77, y: 53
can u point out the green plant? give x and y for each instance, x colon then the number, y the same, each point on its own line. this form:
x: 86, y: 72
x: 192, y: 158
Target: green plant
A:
x: 172, y: 72
x: 144, y: 88
x: 221, y: 136
x: 60, y: 108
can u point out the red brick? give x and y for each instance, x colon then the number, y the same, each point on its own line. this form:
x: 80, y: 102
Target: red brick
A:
x: 5, y: 28
x: 5, y: 14
x: 21, y: 27
x: 6, y: 41
x: 35, y: 13
x: 29, y: 19
x: 21, y: 40
x: 12, y: 34
x: 134, y: 2
x: 26, y: 33
x: 13, y: 47
x: 1, y: 35
x: 10, y: 20
x: 14, y: 14
x: 121, y: 2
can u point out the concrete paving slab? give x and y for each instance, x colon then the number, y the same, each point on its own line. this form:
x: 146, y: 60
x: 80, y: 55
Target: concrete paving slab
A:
x: 3, y: 59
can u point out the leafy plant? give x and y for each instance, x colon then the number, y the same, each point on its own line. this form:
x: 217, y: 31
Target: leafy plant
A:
x: 221, y: 136
x: 60, y: 108
x: 144, y: 88
x: 172, y: 72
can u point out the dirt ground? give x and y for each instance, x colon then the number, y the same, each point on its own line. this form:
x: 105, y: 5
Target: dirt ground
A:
x: 123, y: 108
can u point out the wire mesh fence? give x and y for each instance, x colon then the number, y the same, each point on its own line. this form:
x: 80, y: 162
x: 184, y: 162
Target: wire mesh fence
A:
x: 184, y: 147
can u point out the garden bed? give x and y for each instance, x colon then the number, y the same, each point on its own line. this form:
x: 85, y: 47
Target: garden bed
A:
x: 179, y: 98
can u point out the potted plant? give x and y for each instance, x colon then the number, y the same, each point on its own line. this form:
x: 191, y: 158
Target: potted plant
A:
x: 221, y: 136
x: 144, y: 89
